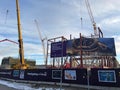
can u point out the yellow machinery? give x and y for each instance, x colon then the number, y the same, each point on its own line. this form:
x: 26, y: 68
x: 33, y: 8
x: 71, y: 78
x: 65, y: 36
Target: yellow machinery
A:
x: 22, y: 64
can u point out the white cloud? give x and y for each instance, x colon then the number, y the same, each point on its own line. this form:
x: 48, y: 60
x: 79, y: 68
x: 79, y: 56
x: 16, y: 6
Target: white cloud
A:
x: 104, y: 8
x: 111, y: 21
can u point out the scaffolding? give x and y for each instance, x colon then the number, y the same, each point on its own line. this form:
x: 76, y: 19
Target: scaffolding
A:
x: 85, y: 59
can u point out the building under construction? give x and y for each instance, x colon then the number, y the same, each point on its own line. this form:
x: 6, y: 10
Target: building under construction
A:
x: 10, y: 62
x: 82, y: 52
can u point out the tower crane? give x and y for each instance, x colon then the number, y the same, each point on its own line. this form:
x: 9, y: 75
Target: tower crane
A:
x: 6, y: 16
x: 42, y: 41
x: 96, y: 34
x: 91, y: 17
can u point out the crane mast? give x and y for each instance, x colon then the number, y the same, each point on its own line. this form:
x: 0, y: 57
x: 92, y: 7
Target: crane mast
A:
x: 91, y: 17
x: 6, y: 16
x: 20, y: 40
x: 42, y: 41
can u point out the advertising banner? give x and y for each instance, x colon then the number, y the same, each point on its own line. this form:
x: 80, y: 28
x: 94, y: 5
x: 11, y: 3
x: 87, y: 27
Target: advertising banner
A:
x: 101, y: 46
x: 70, y: 74
x: 36, y: 74
x: 6, y: 73
x: 107, y: 76
x: 22, y: 74
x: 58, y: 49
x: 92, y: 46
x: 15, y: 73
x: 56, y: 74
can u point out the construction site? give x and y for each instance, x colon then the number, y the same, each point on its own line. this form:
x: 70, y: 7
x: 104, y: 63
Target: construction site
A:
x: 91, y: 51
x: 75, y: 62
x: 82, y: 52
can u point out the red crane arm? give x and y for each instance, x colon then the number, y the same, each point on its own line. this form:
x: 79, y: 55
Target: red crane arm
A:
x: 8, y: 41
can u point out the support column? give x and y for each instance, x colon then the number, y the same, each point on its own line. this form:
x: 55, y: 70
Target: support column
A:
x: 81, y: 59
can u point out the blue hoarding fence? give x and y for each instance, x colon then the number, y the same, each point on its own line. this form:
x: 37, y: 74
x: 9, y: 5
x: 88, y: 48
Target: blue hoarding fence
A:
x: 97, y: 76
x: 74, y: 76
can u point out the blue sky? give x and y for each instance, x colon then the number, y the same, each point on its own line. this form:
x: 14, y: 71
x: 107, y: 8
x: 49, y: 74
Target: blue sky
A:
x: 55, y: 18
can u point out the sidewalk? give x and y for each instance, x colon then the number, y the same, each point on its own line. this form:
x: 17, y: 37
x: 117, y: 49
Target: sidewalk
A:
x: 3, y: 87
